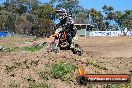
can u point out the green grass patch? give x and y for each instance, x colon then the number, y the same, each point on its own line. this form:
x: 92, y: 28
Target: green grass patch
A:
x: 63, y: 71
x: 19, y: 49
x: 32, y: 49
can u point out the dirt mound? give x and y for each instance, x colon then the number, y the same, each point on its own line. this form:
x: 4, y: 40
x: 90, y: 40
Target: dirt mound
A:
x: 108, y: 46
x: 102, y: 55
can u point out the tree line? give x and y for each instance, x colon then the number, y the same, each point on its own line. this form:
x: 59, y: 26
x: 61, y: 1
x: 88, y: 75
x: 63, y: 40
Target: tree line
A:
x: 31, y: 17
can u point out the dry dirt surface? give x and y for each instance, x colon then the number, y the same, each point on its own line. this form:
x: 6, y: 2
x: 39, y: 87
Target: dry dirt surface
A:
x: 113, y: 55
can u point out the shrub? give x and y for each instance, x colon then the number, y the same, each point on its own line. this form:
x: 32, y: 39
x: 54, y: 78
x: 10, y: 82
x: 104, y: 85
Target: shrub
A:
x: 63, y: 71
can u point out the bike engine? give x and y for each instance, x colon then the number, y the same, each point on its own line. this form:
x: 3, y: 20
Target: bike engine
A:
x: 64, y: 44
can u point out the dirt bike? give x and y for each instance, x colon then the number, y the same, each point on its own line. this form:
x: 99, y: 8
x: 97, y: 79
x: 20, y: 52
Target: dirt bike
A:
x: 60, y: 41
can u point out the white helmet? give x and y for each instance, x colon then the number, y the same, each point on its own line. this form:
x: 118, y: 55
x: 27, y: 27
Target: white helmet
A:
x: 62, y: 13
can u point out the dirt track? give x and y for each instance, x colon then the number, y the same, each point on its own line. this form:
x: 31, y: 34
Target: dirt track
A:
x: 113, y: 53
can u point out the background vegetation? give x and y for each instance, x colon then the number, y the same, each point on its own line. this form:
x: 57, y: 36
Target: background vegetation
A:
x: 31, y: 17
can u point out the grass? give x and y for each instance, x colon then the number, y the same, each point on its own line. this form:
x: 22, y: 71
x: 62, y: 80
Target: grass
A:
x: 16, y: 49
x: 118, y: 86
x: 96, y: 65
x: 10, y: 43
x: 33, y: 48
x: 109, y: 85
x: 25, y: 64
x: 30, y: 49
x: 34, y: 62
x: 19, y: 49
x: 9, y: 68
x: 30, y: 79
x: 32, y: 83
x: 63, y: 71
x: 40, y: 85
x: 45, y: 73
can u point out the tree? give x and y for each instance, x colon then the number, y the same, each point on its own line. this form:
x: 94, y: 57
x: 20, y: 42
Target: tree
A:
x: 27, y: 15
x: 127, y: 21
x: 21, y: 9
x: 110, y: 16
x: 7, y: 21
x: 29, y: 2
x: 31, y: 16
x: 44, y: 11
x: 93, y: 14
x: 0, y: 7
x: 123, y: 19
x: 20, y: 6
x: 71, y: 6
x: 100, y: 22
x: 10, y: 5
x: 107, y: 9
x: 45, y: 14
x: 96, y: 18
x: 81, y: 17
x: 22, y: 24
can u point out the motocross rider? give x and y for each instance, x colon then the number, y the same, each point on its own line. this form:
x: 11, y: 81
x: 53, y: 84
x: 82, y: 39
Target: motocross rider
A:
x: 66, y: 23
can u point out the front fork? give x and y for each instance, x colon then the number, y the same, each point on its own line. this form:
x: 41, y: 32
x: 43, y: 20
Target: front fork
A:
x: 56, y: 41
